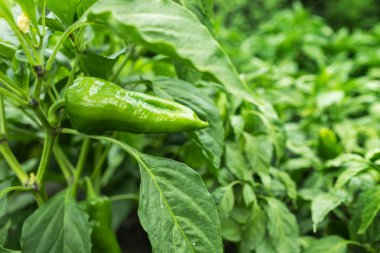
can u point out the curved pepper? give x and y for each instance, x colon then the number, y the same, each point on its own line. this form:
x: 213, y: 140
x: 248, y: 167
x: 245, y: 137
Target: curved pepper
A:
x: 96, y: 105
x: 102, y: 237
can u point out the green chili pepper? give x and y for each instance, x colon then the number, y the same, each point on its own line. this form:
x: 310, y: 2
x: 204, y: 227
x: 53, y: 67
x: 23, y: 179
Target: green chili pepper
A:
x: 102, y: 237
x: 96, y: 105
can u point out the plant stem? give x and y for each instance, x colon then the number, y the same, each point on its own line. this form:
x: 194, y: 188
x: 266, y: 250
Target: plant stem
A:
x: 73, y: 70
x: 46, y: 153
x: 68, y: 31
x: 12, y: 161
x: 127, y: 196
x: 11, y: 85
x: 64, y: 163
x: 12, y: 96
x: 21, y: 39
x: 126, y: 59
x: 3, y: 122
x: 80, y: 164
x: 40, y: 114
x: 43, y: 16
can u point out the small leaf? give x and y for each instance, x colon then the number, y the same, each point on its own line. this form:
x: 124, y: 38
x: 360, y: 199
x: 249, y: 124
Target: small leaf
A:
x: 259, y: 151
x: 282, y: 227
x: 254, y: 230
x: 235, y: 161
x: 231, y: 230
x: 329, y: 244
x: 98, y: 65
x: 4, y: 232
x: 227, y: 201
x: 59, y: 226
x: 322, y: 205
x: 371, y: 209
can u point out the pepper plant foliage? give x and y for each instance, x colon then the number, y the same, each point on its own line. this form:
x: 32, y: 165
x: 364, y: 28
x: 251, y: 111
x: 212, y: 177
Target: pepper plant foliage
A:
x: 297, y: 174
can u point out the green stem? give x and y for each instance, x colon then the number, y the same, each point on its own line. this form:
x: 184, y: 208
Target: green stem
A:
x: 12, y: 161
x: 53, y: 111
x: 7, y: 190
x: 126, y: 59
x: 46, y: 153
x: 64, y: 163
x: 12, y: 96
x: 21, y: 39
x: 68, y: 31
x: 3, y: 122
x: 11, y: 85
x: 127, y: 196
x: 81, y: 163
x: 37, y: 88
x: 40, y: 114
x: 43, y: 16
x: 73, y: 70
x: 90, y: 193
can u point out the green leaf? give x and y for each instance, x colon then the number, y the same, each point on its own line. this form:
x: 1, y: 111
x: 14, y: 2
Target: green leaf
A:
x: 176, y: 209
x: 254, y: 230
x: 4, y: 232
x: 7, y: 51
x: 99, y: 65
x: 353, y: 169
x: 202, y: 9
x: 53, y: 24
x: 29, y: 8
x: 235, y: 161
x: 282, y: 227
x: 288, y: 182
x: 159, y: 25
x: 59, y: 226
x: 371, y: 209
x: 328, y: 244
x: 226, y: 203
x: 210, y: 139
x: 259, y: 152
x: 323, y: 204
x: 84, y: 5
x: 64, y: 10
x: 231, y: 230
x: 4, y: 250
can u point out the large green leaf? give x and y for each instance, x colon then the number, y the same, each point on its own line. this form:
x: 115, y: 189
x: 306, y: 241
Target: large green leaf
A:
x: 176, y: 209
x: 59, y: 226
x: 210, y: 139
x: 170, y: 29
x: 329, y: 244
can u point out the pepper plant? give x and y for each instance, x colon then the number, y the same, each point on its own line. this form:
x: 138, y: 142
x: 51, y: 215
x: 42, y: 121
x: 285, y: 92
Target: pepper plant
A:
x: 125, y: 127
x: 47, y: 45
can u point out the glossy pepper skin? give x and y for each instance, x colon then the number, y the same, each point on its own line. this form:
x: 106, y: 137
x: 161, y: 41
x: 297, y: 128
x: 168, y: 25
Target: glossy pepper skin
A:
x: 102, y: 237
x: 96, y: 105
